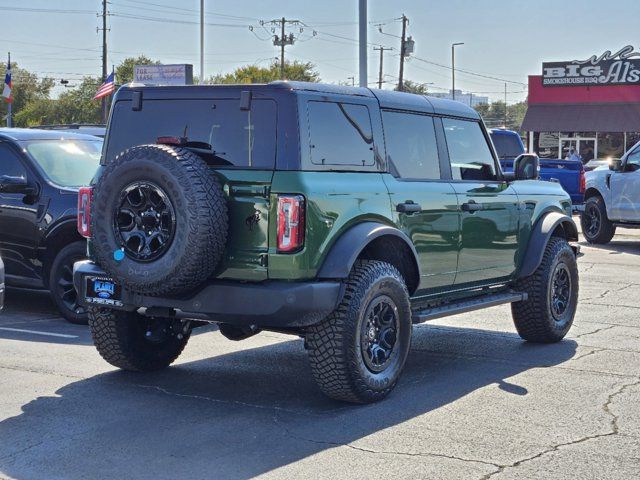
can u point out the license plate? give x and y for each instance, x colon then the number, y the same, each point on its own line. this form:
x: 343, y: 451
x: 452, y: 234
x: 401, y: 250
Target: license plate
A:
x: 103, y: 291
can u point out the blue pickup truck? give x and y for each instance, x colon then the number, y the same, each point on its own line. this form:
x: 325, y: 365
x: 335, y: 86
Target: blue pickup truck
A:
x: 569, y: 173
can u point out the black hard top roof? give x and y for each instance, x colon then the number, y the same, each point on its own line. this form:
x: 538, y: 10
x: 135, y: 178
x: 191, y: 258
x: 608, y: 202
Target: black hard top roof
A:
x: 386, y: 98
x: 20, y: 134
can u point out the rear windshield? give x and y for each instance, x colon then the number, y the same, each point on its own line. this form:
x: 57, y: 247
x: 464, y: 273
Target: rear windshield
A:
x: 234, y: 137
x: 507, y: 146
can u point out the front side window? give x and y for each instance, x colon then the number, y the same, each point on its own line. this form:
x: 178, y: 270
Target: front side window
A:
x: 340, y: 134
x: 633, y: 160
x: 10, y: 164
x: 469, y: 152
x: 411, y: 145
x: 68, y: 163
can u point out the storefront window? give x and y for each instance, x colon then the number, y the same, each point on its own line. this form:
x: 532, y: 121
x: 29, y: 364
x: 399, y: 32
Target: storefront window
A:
x: 632, y: 139
x: 610, y: 145
x: 545, y: 144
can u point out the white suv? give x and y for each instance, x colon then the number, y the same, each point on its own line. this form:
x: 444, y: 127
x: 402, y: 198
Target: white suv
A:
x: 612, y: 198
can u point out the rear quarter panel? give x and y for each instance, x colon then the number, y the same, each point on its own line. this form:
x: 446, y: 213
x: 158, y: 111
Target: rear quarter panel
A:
x: 335, y: 201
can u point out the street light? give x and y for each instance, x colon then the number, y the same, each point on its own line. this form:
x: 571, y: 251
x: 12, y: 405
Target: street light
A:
x: 453, y: 69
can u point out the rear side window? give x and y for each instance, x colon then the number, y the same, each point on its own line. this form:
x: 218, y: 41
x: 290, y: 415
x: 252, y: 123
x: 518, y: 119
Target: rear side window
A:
x: 507, y: 145
x: 340, y: 134
x: 238, y: 138
x: 469, y: 152
x: 411, y: 145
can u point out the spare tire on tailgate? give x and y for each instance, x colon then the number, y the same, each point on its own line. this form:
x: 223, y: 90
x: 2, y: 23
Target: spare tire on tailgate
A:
x: 159, y: 220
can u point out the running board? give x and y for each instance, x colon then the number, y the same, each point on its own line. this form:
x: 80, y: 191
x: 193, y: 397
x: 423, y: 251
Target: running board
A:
x: 468, y: 305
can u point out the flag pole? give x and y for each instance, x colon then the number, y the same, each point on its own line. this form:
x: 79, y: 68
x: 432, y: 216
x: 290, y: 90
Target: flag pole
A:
x: 9, y: 119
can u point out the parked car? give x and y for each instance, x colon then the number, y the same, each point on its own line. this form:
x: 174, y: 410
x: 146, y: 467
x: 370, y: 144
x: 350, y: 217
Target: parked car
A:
x: 569, y: 173
x: 340, y: 214
x: 40, y: 173
x: 95, y: 129
x: 612, y: 198
x: 1, y: 284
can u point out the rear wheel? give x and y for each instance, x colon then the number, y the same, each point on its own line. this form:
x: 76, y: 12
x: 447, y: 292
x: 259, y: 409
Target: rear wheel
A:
x: 61, y: 283
x: 547, y: 314
x: 133, y: 342
x: 358, y: 352
x: 596, y: 226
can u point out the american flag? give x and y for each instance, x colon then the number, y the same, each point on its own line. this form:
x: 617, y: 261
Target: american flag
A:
x: 107, y: 88
x: 8, y: 85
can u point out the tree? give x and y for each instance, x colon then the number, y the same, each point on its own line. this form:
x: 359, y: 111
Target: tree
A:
x: 124, y: 71
x: 414, y: 87
x: 27, y: 88
x: 301, y: 71
x: 494, y: 114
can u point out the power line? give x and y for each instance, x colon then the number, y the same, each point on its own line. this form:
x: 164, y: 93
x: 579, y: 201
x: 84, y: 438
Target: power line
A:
x: 469, y: 72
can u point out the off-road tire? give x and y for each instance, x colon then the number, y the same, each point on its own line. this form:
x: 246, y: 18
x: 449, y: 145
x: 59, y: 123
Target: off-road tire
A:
x: 61, y: 286
x: 334, y: 345
x: 534, y: 318
x: 606, y: 229
x: 201, y: 219
x: 120, y: 339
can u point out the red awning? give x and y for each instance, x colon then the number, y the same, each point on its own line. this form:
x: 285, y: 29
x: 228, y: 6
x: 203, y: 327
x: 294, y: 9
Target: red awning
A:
x: 593, y: 117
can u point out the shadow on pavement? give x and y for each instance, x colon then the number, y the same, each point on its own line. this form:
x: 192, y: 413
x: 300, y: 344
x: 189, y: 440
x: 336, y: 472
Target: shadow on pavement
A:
x: 617, y: 246
x: 244, y: 413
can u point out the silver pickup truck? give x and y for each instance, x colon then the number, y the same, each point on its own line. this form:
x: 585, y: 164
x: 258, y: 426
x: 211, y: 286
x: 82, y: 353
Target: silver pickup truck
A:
x: 612, y: 198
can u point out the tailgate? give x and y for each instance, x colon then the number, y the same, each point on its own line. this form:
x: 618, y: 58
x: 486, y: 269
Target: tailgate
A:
x: 566, y: 172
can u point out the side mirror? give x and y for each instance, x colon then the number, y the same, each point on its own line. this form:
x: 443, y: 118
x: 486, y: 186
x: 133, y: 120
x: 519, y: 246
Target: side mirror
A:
x: 14, y: 185
x: 615, y: 164
x: 526, y: 167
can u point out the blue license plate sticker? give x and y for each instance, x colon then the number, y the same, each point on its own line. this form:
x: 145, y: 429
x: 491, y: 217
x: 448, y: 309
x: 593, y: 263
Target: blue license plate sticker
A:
x: 103, y: 288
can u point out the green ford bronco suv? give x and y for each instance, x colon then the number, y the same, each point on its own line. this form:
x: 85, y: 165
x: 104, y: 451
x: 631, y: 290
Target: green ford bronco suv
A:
x: 342, y: 215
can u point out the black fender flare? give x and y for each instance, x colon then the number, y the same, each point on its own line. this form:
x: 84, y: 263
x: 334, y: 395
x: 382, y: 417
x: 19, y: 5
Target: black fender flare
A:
x: 540, y: 235
x: 345, y: 251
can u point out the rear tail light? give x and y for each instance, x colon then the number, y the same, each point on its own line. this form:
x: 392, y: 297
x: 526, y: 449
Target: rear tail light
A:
x: 583, y: 182
x: 290, y: 223
x: 85, y: 196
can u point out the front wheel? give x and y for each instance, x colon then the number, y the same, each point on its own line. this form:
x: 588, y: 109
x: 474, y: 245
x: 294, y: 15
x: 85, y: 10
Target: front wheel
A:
x: 596, y: 226
x: 547, y: 314
x: 134, y: 342
x: 358, y: 352
x: 61, y: 287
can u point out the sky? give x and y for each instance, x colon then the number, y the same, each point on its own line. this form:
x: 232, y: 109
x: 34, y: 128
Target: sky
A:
x: 506, y: 39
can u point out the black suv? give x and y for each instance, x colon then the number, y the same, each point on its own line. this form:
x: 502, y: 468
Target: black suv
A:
x: 40, y: 173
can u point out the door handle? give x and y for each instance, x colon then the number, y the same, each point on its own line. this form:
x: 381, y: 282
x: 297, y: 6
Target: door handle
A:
x: 471, y: 206
x: 408, y: 207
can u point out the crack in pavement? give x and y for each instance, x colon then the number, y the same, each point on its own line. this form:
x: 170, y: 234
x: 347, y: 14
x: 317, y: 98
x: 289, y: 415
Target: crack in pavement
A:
x: 608, y: 327
x: 241, y: 403
x: 378, y: 452
x: 28, y: 447
x: 614, y: 431
x: 636, y: 307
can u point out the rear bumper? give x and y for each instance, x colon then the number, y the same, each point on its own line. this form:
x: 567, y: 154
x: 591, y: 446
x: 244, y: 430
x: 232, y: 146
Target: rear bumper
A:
x: 274, y: 304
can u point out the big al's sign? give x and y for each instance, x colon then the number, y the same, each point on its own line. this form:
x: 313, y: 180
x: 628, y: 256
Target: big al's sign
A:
x: 620, y: 68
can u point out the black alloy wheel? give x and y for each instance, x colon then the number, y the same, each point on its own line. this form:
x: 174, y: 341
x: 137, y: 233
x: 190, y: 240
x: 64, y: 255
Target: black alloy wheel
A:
x: 378, y: 334
x: 145, y: 221
x: 592, y: 220
x: 61, y: 286
x: 560, y: 291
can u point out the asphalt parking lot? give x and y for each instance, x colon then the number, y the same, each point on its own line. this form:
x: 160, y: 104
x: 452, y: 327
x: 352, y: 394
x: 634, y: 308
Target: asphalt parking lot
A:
x: 475, y: 401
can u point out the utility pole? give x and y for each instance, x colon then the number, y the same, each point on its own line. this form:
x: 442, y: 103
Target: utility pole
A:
x: 201, y: 42
x: 505, y: 104
x: 362, y: 43
x: 403, y: 52
x: 104, y: 57
x: 453, y: 69
x: 283, y: 39
x: 381, y: 49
